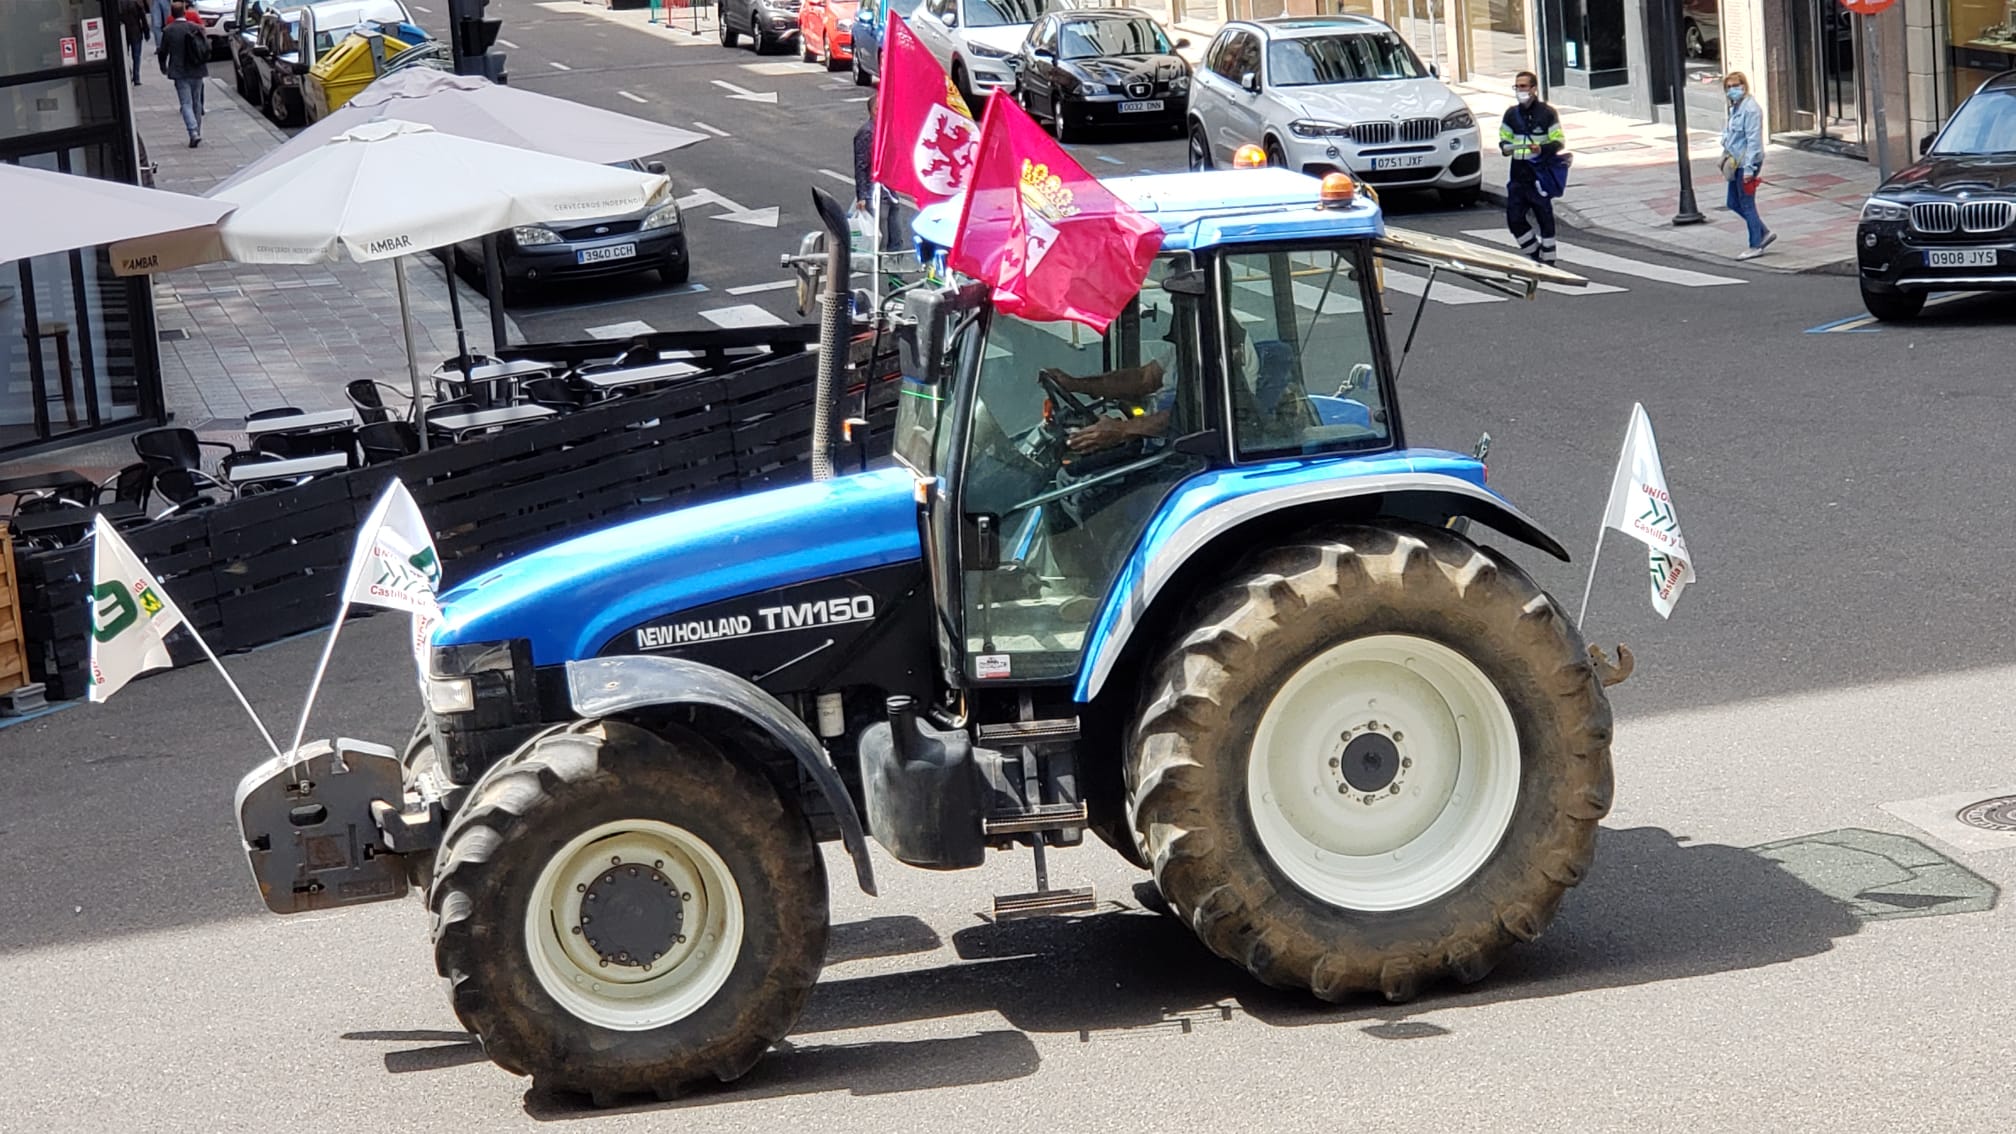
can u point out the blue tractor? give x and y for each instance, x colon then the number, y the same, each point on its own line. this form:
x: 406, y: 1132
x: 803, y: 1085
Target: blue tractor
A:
x: 1183, y: 585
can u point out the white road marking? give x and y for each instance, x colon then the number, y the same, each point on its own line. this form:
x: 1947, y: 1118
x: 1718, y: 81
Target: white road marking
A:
x: 863, y: 98
x: 714, y: 130
x: 1622, y: 265
x: 621, y: 330
x: 1590, y: 288
x: 741, y: 315
x: 418, y: 8
x: 1446, y: 290
x: 752, y: 289
x: 558, y: 66
x: 744, y: 94
x: 1111, y: 160
x: 759, y: 218
x: 785, y: 68
x: 632, y: 97
x: 506, y: 44
x: 836, y: 175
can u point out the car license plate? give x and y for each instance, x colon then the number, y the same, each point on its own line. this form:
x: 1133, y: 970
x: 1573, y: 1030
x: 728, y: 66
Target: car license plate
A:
x: 1961, y: 258
x: 1408, y: 162
x: 606, y: 253
x: 1144, y: 105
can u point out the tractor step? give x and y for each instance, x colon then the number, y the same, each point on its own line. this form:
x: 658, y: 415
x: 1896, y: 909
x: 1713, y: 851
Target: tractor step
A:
x: 1044, y: 903
x: 1028, y: 732
x: 1042, y: 817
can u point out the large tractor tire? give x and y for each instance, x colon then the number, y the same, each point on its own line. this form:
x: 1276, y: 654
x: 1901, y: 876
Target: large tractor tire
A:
x: 1379, y: 761
x: 618, y: 913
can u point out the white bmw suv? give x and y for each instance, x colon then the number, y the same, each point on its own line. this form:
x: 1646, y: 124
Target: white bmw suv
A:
x: 1333, y: 93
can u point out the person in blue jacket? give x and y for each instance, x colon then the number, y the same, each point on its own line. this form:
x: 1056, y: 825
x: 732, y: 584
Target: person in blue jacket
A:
x: 1743, y: 161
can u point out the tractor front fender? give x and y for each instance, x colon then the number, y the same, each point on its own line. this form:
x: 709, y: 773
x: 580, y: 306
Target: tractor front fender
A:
x: 1212, y: 518
x: 601, y: 687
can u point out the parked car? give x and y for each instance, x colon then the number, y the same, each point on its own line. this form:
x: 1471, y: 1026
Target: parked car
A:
x: 866, y: 45
x: 1701, y: 28
x: 826, y: 32
x: 771, y: 25
x: 642, y: 241
x: 271, y: 67
x: 974, y: 40
x: 1948, y: 222
x: 219, y: 19
x: 1102, y: 67
x: 1333, y: 93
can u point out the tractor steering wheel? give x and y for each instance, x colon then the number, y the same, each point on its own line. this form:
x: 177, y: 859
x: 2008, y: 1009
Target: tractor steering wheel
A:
x: 1073, y: 411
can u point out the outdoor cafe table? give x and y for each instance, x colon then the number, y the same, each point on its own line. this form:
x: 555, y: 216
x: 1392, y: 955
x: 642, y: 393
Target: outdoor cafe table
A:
x: 68, y: 525
x: 491, y: 375
x: 317, y: 424
x: 66, y: 483
x: 289, y: 469
x: 462, y: 424
x: 607, y: 380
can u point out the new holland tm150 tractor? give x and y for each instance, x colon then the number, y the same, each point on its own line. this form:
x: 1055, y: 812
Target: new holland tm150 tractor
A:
x: 1183, y: 585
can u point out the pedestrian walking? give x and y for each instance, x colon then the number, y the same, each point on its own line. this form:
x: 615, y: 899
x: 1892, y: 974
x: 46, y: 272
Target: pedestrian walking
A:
x: 159, y: 22
x: 136, y: 24
x: 184, y: 53
x: 1743, y: 161
x: 1530, y: 134
x: 878, y: 217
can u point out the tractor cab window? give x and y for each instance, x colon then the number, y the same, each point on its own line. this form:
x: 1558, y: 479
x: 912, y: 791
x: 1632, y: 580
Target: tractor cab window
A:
x: 1301, y: 363
x: 1069, y: 451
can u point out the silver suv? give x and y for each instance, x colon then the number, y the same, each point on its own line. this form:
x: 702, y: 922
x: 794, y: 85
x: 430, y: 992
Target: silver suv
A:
x: 1333, y: 93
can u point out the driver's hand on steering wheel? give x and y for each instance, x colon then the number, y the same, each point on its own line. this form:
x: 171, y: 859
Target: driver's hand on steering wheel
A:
x: 1102, y: 434
x: 1061, y: 378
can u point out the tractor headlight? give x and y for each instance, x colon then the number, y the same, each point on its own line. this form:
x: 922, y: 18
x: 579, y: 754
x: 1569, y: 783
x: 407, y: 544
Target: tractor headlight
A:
x: 1459, y: 120
x: 1884, y: 209
x: 1316, y: 128
x: 447, y: 695
x: 665, y: 216
x: 529, y: 235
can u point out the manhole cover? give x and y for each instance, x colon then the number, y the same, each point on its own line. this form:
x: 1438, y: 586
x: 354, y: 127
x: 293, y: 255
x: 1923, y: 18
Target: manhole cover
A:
x: 1997, y: 814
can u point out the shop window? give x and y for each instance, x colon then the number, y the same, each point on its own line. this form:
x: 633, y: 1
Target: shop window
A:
x: 56, y: 104
x: 1981, y: 37
x: 1498, y: 38
x: 36, y: 30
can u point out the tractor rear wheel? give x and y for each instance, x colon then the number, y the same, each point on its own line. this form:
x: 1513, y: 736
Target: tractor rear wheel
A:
x: 620, y: 913
x: 1379, y: 761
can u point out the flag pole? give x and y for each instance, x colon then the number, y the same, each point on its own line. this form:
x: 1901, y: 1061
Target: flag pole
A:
x: 237, y: 692
x: 1590, y: 585
x: 321, y: 667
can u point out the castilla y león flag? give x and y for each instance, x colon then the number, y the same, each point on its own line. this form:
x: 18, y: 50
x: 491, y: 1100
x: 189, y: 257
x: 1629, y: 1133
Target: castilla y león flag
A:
x: 924, y: 132
x: 1050, y: 240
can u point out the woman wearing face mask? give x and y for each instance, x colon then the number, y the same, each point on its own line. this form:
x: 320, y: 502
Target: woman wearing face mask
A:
x: 1743, y: 161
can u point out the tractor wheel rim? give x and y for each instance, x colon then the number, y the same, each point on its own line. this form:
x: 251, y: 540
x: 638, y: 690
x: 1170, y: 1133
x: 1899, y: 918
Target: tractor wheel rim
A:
x: 1384, y: 773
x: 634, y: 925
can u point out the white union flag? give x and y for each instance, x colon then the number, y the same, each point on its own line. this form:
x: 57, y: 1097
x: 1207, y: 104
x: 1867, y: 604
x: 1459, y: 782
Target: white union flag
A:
x: 394, y: 565
x: 131, y: 616
x: 1641, y: 508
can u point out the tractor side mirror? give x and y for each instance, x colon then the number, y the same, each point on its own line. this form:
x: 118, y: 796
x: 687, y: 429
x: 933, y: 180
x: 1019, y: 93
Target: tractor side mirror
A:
x: 924, y: 335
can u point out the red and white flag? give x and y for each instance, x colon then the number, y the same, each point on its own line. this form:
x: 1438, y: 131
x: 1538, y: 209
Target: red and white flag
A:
x: 1050, y: 240
x: 924, y: 133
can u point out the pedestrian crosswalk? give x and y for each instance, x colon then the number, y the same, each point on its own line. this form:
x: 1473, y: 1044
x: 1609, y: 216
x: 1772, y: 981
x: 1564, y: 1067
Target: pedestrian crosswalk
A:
x: 1623, y: 265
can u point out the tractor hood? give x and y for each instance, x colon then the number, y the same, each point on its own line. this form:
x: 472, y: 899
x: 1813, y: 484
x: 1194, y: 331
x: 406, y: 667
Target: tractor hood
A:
x: 569, y: 599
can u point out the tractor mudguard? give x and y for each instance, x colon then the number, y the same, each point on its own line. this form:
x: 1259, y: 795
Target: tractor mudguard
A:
x: 599, y: 687
x: 1205, y: 509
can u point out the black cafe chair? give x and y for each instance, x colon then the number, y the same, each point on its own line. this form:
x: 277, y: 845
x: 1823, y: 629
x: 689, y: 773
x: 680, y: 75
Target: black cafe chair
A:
x: 187, y: 490
x: 556, y: 394
x: 368, y: 397
x: 174, y: 448
x: 123, y: 495
x: 384, y: 441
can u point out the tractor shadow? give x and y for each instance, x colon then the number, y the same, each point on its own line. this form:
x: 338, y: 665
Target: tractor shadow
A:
x: 1656, y: 908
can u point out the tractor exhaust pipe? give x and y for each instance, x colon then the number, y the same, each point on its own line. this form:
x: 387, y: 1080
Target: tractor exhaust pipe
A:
x: 835, y: 321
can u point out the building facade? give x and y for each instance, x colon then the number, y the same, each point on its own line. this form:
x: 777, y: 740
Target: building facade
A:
x: 77, y: 343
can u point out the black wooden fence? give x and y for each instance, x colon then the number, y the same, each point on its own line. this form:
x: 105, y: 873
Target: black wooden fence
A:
x: 255, y: 570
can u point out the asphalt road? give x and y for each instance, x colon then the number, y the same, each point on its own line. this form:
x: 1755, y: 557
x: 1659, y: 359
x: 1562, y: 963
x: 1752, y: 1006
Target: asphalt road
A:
x: 1761, y: 946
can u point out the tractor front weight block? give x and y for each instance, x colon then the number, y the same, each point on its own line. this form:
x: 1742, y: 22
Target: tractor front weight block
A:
x: 311, y: 825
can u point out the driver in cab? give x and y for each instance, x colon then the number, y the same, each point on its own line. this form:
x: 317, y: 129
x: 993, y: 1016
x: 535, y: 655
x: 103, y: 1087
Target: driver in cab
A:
x: 1150, y: 386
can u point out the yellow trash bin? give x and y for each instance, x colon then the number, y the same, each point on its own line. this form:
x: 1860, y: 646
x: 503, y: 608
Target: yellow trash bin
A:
x: 347, y: 68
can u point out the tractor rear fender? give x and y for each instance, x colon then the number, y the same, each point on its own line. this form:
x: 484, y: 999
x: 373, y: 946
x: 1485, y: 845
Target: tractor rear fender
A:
x: 617, y: 686
x: 1202, y: 528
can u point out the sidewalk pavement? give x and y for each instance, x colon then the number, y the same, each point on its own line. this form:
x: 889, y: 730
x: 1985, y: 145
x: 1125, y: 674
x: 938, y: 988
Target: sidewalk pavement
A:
x: 236, y: 337
x: 1625, y: 184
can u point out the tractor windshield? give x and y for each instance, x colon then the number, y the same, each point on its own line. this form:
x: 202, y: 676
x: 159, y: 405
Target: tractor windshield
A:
x: 1303, y: 365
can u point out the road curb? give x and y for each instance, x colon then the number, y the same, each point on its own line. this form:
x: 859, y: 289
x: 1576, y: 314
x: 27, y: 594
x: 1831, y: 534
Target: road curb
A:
x: 1568, y: 215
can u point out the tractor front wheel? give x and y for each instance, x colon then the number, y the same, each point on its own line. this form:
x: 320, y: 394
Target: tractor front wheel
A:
x: 618, y: 913
x: 1379, y: 761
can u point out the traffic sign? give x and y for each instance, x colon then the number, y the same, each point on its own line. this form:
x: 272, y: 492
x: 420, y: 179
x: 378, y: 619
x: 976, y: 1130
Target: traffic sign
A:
x: 1866, y: 7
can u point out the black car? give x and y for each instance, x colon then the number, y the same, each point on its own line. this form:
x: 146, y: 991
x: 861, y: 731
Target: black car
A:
x: 1102, y: 67
x: 771, y: 25
x: 642, y: 241
x: 1947, y: 223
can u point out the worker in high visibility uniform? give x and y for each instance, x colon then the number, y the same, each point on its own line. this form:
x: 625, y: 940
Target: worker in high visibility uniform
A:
x: 1531, y: 136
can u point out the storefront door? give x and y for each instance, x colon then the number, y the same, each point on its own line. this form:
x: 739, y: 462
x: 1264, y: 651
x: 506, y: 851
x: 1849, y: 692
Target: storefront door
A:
x: 1827, y: 92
